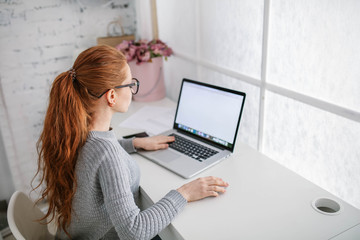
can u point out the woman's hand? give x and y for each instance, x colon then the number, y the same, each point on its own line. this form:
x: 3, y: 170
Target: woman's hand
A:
x: 153, y: 143
x: 202, y: 188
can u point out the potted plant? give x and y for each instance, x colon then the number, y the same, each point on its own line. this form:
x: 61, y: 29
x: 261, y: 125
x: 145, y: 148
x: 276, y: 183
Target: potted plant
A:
x: 145, y: 59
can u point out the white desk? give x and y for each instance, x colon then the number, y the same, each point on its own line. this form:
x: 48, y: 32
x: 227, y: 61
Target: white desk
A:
x: 264, y: 200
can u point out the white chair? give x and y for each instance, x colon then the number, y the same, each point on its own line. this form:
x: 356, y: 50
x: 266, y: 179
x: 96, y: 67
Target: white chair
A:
x: 22, y: 217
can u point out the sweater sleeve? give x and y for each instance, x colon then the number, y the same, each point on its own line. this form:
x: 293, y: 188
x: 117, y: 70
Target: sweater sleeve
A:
x: 128, y: 220
x: 127, y: 145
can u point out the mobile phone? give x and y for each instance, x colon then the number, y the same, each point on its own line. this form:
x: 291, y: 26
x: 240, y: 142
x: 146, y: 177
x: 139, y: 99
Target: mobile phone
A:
x: 141, y: 134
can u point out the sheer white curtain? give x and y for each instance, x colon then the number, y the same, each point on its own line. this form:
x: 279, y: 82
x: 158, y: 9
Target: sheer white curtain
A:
x: 143, y: 20
x: 298, y: 62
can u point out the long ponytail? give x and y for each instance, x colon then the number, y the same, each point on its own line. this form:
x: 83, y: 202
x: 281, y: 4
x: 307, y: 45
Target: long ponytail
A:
x: 66, y: 125
x: 65, y: 131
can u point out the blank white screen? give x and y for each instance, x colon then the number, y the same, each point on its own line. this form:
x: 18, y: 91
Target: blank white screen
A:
x: 209, y: 110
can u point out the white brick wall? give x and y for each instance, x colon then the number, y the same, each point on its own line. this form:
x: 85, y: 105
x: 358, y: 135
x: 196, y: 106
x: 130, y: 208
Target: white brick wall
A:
x: 37, y: 41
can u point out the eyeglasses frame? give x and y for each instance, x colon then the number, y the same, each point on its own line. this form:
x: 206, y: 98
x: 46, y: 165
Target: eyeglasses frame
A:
x: 136, y: 83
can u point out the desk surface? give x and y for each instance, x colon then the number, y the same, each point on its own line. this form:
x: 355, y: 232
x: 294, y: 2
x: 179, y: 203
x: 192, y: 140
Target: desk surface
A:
x: 264, y: 200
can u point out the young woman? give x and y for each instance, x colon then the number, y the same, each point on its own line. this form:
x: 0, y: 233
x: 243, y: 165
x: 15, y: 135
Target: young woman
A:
x: 90, y: 180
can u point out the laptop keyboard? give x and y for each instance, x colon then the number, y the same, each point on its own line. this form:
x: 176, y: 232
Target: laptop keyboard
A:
x: 191, y: 149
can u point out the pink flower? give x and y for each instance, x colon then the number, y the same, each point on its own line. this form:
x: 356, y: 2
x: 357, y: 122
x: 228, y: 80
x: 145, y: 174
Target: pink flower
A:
x: 130, y: 54
x: 124, y: 45
x: 142, y: 54
x: 168, y: 52
x: 157, y: 48
x: 128, y: 49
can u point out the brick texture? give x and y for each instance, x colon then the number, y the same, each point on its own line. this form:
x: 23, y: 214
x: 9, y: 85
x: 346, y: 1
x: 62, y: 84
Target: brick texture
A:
x: 38, y: 40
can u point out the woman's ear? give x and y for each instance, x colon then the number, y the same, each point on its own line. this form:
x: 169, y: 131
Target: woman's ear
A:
x: 111, y: 97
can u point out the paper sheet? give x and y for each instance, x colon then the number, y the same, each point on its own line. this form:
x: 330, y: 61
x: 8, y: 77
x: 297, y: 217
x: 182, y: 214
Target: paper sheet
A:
x: 153, y: 120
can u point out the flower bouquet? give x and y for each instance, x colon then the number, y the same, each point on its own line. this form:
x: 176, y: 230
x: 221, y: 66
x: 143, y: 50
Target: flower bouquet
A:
x: 144, y: 51
x: 146, y: 63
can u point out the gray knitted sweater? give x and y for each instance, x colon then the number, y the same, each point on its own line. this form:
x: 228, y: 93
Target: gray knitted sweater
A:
x: 104, y: 205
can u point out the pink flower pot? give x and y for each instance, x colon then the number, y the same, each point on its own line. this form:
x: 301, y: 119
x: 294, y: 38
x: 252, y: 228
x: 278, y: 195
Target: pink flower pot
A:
x: 151, y: 78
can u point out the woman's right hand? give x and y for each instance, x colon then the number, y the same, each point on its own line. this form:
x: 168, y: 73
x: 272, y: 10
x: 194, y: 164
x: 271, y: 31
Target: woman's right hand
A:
x: 202, y: 188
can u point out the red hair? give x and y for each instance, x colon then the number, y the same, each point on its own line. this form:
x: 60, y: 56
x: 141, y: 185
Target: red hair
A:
x: 66, y: 125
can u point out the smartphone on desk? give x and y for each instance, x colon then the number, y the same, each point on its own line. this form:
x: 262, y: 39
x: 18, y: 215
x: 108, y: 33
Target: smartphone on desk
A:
x: 138, y: 135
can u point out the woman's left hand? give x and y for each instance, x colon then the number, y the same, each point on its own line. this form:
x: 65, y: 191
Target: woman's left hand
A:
x: 153, y: 143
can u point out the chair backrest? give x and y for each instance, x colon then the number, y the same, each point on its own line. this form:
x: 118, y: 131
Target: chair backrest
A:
x: 22, y: 217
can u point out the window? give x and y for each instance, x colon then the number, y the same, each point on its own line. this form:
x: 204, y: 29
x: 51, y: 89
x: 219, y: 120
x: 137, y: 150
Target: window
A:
x: 298, y: 63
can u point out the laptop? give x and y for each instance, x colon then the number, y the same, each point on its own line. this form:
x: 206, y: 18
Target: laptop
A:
x: 205, y: 127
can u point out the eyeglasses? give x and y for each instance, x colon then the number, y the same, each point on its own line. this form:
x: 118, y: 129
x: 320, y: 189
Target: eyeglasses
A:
x: 134, y: 87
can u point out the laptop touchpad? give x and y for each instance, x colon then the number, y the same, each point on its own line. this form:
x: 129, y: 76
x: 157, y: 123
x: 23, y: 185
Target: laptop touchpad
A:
x: 166, y: 156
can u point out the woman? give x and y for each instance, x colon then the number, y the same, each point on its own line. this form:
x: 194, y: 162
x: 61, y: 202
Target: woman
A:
x: 91, y: 182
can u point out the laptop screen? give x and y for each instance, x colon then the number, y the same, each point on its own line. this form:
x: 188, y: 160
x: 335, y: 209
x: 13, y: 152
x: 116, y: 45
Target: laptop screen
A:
x: 209, y: 112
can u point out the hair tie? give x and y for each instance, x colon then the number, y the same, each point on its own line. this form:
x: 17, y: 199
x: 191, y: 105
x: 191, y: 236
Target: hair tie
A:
x: 72, y: 74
